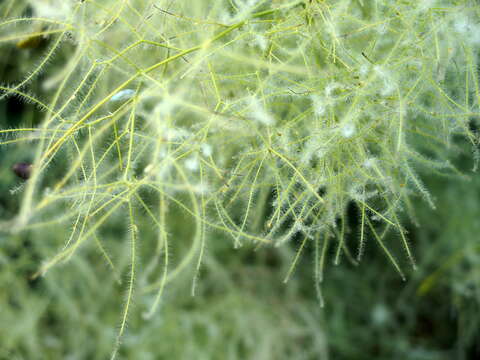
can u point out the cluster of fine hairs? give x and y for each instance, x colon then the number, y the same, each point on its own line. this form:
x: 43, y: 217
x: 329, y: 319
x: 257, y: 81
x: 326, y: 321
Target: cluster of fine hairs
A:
x: 266, y: 122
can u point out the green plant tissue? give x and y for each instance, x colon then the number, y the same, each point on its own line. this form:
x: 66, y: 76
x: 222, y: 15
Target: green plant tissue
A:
x: 159, y: 136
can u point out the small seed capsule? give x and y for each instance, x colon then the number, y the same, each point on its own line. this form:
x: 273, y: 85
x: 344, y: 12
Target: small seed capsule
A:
x: 22, y: 170
x: 30, y: 42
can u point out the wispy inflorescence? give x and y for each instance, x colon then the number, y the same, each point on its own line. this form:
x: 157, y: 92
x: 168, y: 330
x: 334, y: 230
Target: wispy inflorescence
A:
x: 262, y: 120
